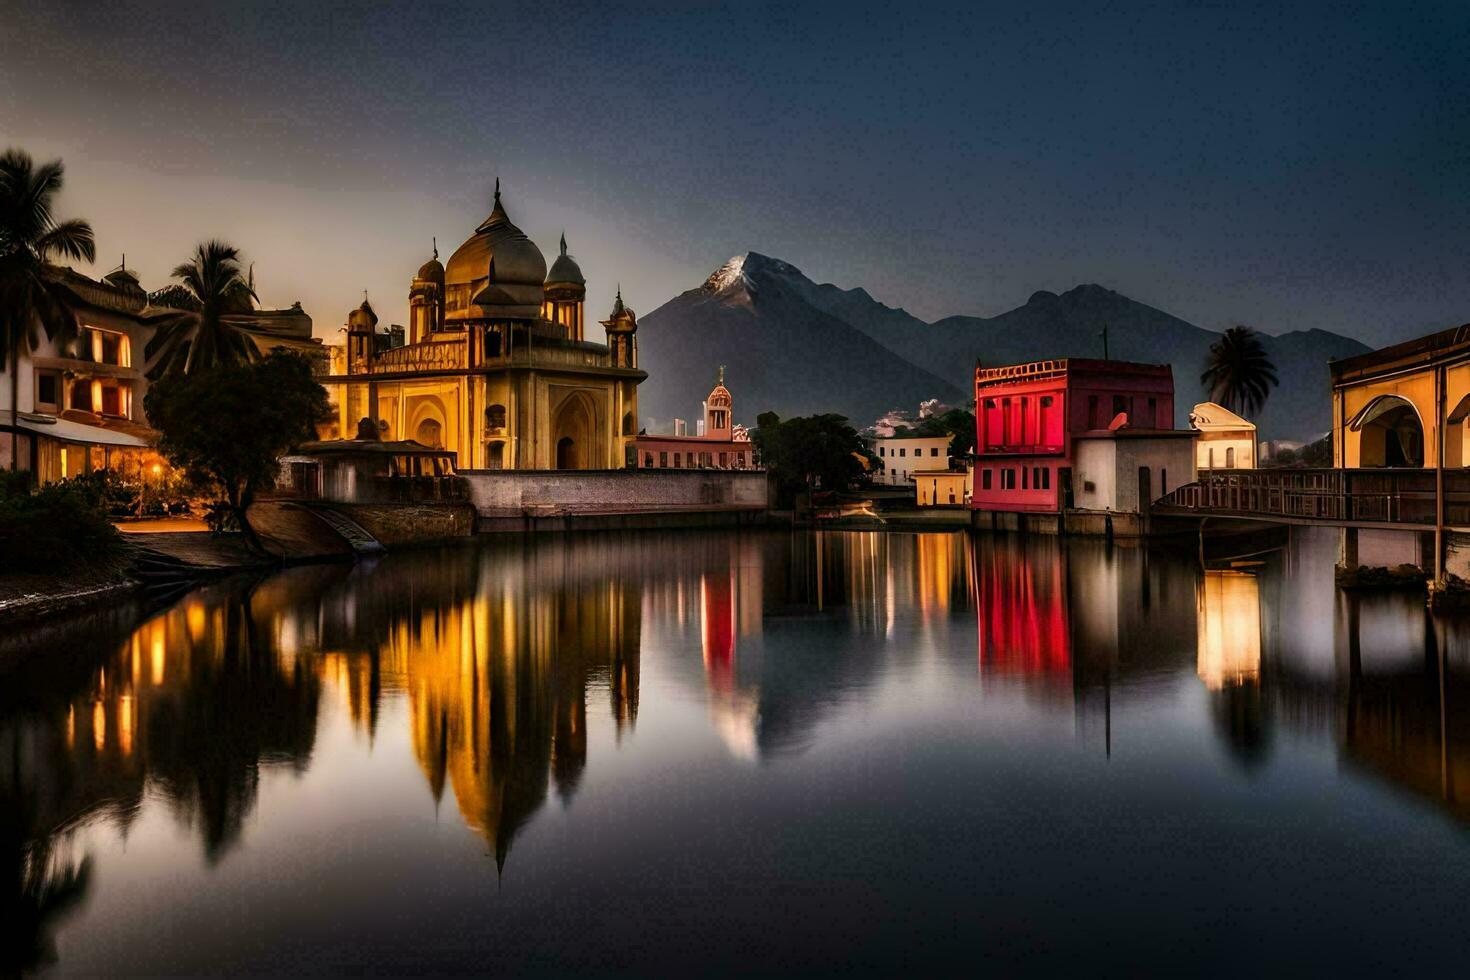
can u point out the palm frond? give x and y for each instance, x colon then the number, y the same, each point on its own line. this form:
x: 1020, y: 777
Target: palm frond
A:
x: 72, y: 239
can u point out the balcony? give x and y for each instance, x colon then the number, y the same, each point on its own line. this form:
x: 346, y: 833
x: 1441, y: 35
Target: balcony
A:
x: 420, y: 358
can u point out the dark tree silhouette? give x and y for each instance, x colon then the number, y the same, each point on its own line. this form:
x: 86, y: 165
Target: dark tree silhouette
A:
x: 30, y: 237
x: 228, y: 425
x: 1238, y: 374
x: 205, y: 332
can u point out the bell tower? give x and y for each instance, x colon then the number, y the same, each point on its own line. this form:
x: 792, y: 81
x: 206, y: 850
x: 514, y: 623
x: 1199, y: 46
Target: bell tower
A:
x: 718, y: 422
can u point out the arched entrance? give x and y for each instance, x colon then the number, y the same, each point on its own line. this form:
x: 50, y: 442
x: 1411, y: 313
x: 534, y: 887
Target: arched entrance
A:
x: 430, y: 433
x: 573, y: 431
x: 566, y: 454
x: 1390, y: 433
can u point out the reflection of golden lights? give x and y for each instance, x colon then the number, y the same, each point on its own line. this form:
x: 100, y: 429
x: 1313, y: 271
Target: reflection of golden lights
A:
x: 99, y: 724
x: 1229, y: 629
x: 936, y: 560
x: 156, y: 660
x: 125, y: 709
x: 195, y: 617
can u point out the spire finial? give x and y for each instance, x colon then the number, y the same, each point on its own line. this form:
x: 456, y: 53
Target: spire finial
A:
x: 435, y: 240
x: 497, y: 190
x: 251, y: 284
x: 564, y: 242
x: 722, y: 374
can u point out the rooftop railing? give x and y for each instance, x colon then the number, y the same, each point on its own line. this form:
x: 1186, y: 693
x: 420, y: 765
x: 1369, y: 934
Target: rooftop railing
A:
x: 1374, y: 496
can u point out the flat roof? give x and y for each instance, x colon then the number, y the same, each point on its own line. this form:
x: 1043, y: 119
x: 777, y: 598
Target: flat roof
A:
x: 71, y: 431
x: 1418, y: 352
x: 1061, y: 366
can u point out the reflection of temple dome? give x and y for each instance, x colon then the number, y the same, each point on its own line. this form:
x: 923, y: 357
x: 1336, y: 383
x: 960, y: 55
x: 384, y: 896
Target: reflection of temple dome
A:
x: 500, y: 256
x: 565, y: 271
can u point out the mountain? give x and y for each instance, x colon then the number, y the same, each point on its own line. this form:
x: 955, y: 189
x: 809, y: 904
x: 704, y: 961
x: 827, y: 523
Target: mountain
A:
x: 780, y: 352
x: 780, y: 304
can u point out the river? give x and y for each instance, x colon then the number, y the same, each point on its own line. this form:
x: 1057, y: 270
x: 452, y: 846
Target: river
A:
x: 744, y: 752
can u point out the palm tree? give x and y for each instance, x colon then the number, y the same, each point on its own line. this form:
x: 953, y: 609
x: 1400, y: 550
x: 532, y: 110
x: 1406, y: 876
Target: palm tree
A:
x: 204, y: 332
x: 30, y: 237
x: 1238, y: 374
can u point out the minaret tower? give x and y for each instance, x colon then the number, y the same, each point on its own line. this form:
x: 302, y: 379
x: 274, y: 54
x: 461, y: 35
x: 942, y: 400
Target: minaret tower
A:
x: 426, y: 300
x: 362, y: 330
x: 566, y: 293
x: 622, y: 334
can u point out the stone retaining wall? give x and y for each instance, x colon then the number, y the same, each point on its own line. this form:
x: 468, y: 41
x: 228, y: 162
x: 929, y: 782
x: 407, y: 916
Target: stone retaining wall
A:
x: 573, y: 493
x: 401, y: 524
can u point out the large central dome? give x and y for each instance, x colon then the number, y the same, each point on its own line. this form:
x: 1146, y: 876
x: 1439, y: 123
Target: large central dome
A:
x: 498, y: 266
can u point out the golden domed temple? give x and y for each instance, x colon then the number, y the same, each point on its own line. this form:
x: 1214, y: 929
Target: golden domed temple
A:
x: 496, y: 365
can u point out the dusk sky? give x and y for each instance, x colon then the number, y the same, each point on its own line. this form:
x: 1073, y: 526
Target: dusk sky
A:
x: 1283, y: 165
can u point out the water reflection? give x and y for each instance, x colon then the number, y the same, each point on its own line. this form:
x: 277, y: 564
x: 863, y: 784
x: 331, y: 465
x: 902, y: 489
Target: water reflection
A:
x: 496, y: 662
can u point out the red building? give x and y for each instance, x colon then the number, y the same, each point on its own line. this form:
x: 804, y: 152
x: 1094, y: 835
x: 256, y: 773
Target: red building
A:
x: 1030, y: 417
x: 722, y: 446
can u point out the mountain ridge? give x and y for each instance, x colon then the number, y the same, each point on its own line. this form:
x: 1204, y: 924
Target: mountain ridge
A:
x: 828, y: 330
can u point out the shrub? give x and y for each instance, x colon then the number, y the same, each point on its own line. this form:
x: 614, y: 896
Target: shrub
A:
x: 55, y: 529
x: 220, y: 517
x: 105, y: 491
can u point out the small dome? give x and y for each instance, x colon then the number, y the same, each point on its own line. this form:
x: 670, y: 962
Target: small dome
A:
x: 363, y: 317
x: 432, y: 270
x: 565, y: 269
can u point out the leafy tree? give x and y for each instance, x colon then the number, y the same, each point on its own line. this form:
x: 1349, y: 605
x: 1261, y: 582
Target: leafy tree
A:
x: 1238, y: 374
x: 30, y: 237
x: 205, y: 332
x: 814, y: 452
x: 229, y: 424
x: 957, y: 422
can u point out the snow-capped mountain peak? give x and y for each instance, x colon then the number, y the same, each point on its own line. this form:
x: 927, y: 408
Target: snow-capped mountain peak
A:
x: 732, y: 273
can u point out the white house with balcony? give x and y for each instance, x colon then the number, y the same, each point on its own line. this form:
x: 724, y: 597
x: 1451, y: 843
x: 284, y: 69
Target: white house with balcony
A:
x: 80, y: 408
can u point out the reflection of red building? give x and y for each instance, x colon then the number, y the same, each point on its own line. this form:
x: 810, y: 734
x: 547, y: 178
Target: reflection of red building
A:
x: 1028, y: 417
x: 722, y: 446
x: 1021, y: 613
x: 717, y: 629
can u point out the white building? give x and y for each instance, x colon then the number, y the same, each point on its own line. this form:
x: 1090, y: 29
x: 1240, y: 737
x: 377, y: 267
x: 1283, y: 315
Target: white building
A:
x: 899, y: 457
x: 1116, y: 471
x: 81, y: 409
x: 1226, y: 441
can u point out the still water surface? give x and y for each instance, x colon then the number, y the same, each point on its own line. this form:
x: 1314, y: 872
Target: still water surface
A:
x: 743, y: 752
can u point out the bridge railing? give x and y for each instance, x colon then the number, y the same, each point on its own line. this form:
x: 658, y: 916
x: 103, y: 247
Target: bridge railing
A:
x: 1388, y: 496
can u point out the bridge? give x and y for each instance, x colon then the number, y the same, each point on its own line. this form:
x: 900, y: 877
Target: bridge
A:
x: 1393, y: 499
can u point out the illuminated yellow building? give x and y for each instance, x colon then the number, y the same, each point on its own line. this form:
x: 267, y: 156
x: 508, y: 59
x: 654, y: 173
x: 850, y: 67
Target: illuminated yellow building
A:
x: 497, y: 366
x: 1389, y: 406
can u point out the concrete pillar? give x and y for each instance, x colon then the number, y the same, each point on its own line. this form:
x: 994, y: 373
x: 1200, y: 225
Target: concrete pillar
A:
x: 1348, y: 548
